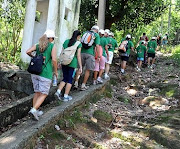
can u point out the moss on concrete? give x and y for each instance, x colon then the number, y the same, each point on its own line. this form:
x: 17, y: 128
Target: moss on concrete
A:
x: 102, y: 116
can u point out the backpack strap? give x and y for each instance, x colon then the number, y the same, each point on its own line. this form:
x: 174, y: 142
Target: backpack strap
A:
x: 77, y: 44
x: 42, y: 54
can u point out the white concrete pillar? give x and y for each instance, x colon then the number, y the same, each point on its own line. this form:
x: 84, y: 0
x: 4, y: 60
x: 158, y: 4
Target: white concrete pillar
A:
x: 60, y: 27
x: 28, y: 29
x: 76, y: 15
x: 52, y: 14
x: 101, y: 14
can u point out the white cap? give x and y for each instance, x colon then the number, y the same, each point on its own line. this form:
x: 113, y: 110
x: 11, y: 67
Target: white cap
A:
x: 95, y: 27
x: 143, y: 42
x: 107, y: 31
x: 101, y: 31
x: 111, y: 34
x: 50, y: 33
x: 128, y: 36
x: 154, y: 38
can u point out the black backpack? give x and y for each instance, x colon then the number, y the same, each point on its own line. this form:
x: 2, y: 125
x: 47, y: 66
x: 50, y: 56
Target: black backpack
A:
x: 36, y: 64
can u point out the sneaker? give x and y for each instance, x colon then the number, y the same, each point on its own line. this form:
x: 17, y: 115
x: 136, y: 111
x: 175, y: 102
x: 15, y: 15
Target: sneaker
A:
x: 39, y: 113
x: 122, y: 73
x: 106, y: 77
x: 149, y: 66
x: 68, y: 98
x: 99, y: 80
x: 34, y: 115
x: 138, y: 69
x: 57, y: 96
x: 76, y: 85
x: 84, y: 88
x: 153, y: 65
x: 94, y: 82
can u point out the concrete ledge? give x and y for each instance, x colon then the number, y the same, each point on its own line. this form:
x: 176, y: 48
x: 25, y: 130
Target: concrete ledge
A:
x: 19, y: 109
x: 24, y: 135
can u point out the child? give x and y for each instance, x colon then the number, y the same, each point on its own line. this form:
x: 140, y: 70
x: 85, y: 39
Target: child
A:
x: 141, y: 50
x: 152, y: 46
x: 125, y: 54
x: 100, y: 65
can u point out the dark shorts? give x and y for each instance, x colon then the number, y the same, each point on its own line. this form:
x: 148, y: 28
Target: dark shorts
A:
x: 125, y: 58
x: 151, y: 55
x: 67, y: 74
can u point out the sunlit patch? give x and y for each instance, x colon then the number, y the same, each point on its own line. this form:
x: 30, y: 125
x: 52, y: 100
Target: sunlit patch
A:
x: 131, y: 91
x: 7, y: 140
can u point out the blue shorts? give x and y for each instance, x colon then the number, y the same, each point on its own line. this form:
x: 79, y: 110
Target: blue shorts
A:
x: 67, y: 74
x: 140, y: 59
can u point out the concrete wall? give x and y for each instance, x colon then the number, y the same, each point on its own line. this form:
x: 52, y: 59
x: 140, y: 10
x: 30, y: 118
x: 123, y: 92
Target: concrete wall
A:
x: 63, y: 19
x: 40, y: 27
x: 69, y: 18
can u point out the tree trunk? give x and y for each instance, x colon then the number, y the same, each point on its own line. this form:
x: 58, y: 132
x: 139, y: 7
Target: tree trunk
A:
x: 101, y: 13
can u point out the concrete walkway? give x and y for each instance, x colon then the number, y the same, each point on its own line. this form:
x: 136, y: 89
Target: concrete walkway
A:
x: 24, y: 135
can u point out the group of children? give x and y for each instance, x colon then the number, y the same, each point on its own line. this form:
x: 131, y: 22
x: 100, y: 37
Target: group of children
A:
x: 93, y: 52
x: 96, y: 54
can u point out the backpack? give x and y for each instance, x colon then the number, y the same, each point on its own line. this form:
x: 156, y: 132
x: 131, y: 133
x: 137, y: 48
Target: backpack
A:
x: 123, y: 46
x: 67, y: 54
x: 35, y: 66
x: 87, y: 39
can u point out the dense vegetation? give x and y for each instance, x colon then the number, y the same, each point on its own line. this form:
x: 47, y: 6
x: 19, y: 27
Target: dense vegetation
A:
x: 12, y: 14
x: 122, y: 17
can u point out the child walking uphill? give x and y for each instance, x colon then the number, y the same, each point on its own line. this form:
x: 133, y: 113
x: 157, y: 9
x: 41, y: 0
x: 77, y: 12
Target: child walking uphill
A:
x: 42, y: 82
x: 87, y: 54
x: 125, y: 53
x: 112, y: 45
x: 141, y: 50
x: 151, y: 47
x: 100, y: 65
x: 69, y: 69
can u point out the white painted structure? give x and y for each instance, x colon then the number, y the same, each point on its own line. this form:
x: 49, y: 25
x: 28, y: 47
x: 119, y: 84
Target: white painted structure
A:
x: 62, y: 16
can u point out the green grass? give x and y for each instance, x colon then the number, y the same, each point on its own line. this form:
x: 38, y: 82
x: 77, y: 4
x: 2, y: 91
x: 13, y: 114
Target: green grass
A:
x: 101, y: 115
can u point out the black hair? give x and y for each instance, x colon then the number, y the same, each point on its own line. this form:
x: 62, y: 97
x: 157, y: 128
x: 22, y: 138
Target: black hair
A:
x: 144, y: 33
x: 74, y: 37
x: 128, y: 38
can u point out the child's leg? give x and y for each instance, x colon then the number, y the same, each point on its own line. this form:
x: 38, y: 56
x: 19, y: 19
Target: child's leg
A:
x: 107, y: 68
x: 140, y: 64
x: 95, y: 75
x: 123, y: 65
x: 149, y: 60
x: 102, y: 65
x: 153, y: 60
x: 96, y: 69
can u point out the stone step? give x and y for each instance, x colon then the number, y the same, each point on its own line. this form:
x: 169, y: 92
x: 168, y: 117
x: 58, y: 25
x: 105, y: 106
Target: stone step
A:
x: 24, y: 135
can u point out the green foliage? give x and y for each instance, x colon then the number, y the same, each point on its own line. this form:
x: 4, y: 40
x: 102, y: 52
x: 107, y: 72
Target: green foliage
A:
x: 124, y: 99
x: 176, y: 53
x: 126, y: 14
x: 11, y: 23
x: 175, y: 50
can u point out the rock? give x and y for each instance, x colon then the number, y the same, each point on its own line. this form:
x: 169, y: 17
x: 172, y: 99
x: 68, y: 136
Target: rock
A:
x: 148, y: 109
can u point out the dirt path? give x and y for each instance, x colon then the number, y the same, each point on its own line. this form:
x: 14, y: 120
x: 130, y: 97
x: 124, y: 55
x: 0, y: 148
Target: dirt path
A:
x: 137, y: 110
